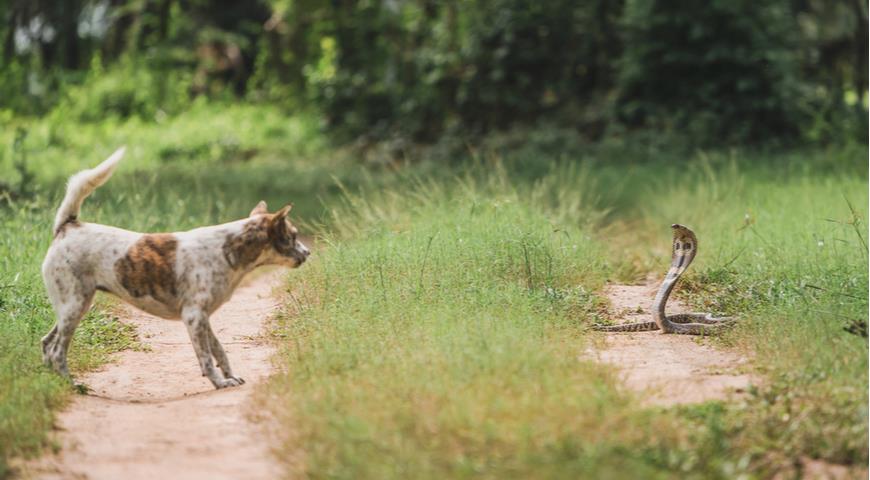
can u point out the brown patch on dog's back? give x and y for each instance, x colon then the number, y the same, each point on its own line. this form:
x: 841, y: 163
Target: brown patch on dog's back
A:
x: 244, y: 248
x: 148, y: 268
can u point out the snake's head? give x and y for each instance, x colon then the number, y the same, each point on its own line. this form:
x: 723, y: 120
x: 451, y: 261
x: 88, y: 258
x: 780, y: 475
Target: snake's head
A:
x: 684, y: 238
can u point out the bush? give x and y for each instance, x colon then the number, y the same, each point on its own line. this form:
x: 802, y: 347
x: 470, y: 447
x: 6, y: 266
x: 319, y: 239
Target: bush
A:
x: 721, y: 71
x: 423, y: 70
x: 127, y: 89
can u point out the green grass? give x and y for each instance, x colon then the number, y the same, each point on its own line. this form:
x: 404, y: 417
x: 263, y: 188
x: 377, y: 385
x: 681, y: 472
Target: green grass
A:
x: 423, y: 342
x: 782, y: 246
x: 437, y: 330
x: 441, y: 339
x: 204, y: 135
x: 788, y: 255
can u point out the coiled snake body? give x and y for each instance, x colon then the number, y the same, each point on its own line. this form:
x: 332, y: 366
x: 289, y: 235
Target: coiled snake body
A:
x: 685, y: 247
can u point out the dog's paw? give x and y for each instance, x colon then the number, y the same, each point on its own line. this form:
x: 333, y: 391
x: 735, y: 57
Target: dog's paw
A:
x: 230, y: 382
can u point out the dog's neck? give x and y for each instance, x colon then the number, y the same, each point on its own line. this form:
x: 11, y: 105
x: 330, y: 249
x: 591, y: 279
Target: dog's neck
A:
x: 248, y: 247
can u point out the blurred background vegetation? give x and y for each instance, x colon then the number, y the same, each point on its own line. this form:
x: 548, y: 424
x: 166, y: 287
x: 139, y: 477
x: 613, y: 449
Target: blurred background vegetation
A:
x: 420, y: 72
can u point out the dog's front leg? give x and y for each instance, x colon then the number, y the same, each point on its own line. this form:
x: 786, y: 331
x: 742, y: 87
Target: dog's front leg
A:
x: 196, y: 320
x: 223, y: 362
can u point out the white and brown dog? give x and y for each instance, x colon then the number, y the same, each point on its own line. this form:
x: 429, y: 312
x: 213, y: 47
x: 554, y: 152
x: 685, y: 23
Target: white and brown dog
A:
x: 185, y: 275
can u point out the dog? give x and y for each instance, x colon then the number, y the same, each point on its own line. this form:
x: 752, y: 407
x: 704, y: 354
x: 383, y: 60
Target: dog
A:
x: 183, y: 275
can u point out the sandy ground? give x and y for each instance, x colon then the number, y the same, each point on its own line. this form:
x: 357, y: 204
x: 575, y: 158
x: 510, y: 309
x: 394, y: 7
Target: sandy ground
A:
x: 152, y: 415
x: 667, y: 369
x: 820, y: 470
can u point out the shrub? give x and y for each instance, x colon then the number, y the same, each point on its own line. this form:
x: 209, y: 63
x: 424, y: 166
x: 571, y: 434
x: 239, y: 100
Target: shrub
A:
x: 129, y: 88
x: 720, y: 70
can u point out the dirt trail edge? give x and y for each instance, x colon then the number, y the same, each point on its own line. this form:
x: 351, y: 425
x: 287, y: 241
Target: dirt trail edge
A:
x: 151, y: 414
x: 667, y: 369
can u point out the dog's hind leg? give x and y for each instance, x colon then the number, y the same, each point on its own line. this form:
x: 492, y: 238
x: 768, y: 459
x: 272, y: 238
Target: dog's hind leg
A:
x: 198, y: 328
x: 71, y: 296
x: 69, y: 312
x: 220, y: 356
x: 46, y: 341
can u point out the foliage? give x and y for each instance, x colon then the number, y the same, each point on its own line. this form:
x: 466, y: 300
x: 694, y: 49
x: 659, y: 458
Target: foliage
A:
x: 127, y: 90
x: 721, y: 70
x: 422, y: 69
x: 833, y: 68
x: 419, y: 71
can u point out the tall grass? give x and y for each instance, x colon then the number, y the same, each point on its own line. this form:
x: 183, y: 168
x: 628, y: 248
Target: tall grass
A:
x: 438, y: 332
x: 441, y: 334
x: 784, y: 248
x: 424, y: 342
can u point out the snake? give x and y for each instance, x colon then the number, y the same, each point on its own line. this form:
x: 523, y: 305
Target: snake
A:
x: 685, y: 247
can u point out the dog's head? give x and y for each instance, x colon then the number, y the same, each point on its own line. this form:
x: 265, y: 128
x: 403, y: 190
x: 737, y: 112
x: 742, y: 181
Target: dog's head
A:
x: 284, y: 248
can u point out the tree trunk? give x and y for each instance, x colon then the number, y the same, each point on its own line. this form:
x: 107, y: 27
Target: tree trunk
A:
x: 163, y: 12
x: 859, y: 82
x: 116, y: 39
x: 68, y: 35
x: 9, y: 39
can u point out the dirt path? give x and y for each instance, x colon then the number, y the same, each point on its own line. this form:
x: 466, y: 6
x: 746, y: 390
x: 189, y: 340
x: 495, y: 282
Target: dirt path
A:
x: 151, y: 415
x: 667, y: 369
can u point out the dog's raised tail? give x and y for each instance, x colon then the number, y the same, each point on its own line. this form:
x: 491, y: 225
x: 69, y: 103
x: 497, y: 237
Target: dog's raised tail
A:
x: 81, y: 185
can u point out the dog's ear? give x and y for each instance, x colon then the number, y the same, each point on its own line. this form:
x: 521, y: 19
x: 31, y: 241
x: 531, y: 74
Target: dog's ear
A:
x: 260, y: 209
x: 279, y: 226
x: 280, y: 214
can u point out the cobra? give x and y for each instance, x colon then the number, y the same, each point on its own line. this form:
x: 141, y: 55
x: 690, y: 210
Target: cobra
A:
x: 685, y: 247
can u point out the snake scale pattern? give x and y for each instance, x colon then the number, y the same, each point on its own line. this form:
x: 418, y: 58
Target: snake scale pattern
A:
x: 685, y: 247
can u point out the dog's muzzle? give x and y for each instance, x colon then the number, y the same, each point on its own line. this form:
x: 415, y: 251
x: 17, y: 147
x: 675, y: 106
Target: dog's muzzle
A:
x: 301, y: 254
